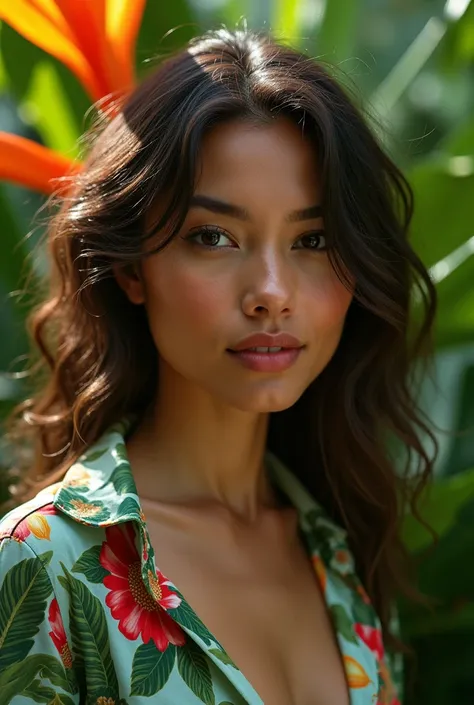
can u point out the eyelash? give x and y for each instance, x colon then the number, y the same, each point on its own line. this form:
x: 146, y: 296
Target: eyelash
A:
x: 214, y: 229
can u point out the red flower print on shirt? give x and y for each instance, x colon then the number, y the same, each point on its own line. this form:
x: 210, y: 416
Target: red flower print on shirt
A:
x: 372, y: 637
x: 137, y: 612
x: 58, y: 634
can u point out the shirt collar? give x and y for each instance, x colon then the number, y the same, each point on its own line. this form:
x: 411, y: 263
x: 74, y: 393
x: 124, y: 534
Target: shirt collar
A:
x: 99, y: 490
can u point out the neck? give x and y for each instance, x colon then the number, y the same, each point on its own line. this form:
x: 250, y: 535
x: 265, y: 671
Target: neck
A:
x: 190, y: 450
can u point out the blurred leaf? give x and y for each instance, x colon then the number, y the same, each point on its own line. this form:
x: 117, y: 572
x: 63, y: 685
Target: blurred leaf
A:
x: 232, y: 13
x: 455, y: 320
x: 12, y: 257
x: 446, y: 574
x: 440, y: 508
x: 408, y: 67
x: 284, y: 20
x: 159, y: 19
x: 58, y: 128
x: 19, y: 57
x: 337, y: 32
x: 460, y: 142
x: 462, y: 453
x: 444, y: 212
x: 458, y: 47
x: 450, y: 655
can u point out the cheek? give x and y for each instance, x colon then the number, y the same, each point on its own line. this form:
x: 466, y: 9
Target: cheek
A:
x: 178, y: 294
x: 330, y: 301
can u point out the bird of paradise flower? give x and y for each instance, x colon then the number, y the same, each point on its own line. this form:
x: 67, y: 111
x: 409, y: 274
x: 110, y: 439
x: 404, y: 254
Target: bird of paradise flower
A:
x: 96, y: 40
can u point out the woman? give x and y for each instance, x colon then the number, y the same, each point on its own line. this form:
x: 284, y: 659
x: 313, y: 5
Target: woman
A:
x: 212, y: 511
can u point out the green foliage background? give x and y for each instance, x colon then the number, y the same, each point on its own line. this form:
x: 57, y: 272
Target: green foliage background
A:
x: 412, y: 62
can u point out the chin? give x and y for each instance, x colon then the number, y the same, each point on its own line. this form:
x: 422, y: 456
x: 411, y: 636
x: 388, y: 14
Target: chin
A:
x: 266, y: 403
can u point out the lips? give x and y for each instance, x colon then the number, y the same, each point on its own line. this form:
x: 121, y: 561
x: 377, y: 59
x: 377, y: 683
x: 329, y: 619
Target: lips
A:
x: 269, y: 343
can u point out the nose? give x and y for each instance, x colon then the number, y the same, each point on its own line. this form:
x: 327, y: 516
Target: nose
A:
x: 271, y: 288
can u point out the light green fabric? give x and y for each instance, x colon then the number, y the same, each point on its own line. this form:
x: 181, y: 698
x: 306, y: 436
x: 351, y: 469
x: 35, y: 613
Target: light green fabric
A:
x: 86, y: 616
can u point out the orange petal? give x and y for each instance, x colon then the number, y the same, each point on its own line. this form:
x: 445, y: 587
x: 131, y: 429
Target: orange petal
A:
x: 38, y: 525
x: 41, y: 24
x: 51, y: 11
x: 87, y: 27
x: 356, y: 675
x: 320, y: 571
x: 30, y: 164
x: 123, y: 19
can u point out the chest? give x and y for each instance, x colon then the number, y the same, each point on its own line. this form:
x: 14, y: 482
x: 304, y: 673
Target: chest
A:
x: 263, y: 603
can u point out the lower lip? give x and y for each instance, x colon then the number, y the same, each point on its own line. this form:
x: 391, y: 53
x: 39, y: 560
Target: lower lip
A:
x: 267, y: 362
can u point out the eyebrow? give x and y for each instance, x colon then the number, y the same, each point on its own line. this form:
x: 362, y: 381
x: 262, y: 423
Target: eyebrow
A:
x: 217, y: 206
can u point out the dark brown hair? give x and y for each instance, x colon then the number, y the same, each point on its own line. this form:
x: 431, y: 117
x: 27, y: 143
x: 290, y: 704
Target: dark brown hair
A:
x: 96, y: 349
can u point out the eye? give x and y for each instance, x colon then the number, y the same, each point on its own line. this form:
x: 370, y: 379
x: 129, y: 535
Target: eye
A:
x: 210, y: 237
x: 314, y: 240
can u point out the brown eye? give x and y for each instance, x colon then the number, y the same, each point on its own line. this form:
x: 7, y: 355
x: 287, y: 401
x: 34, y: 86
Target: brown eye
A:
x: 211, y: 238
x: 313, y: 241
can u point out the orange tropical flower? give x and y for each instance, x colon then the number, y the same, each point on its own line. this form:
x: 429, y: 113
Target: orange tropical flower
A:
x: 95, y: 39
x: 356, y: 674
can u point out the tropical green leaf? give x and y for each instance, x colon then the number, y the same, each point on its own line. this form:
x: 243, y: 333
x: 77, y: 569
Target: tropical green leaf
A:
x: 194, y: 670
x: 440, y: 508
x: 163, y: 31
x: 89, y: 564
x: 58, y: 128
x: 19, y: 60
x: 343, y: 623
x: 23, y: 595
x: 337, y: 32
x: 285, y: 20
x: 455, y: 318
x: 444, y: 215
x: 21, y: 676
x: 129, y: 507
x: 92, y: 457
x: 363, y: 613
x: 61, y: 699
x: 39, y: 693
x: 120, y: 453
x: 459, y: 143
x: 72, y: 500
x: 122, y: 479
x: 186, y: 617
x: 89, y: 633
x: 151, y: 668
x: 223, y: 656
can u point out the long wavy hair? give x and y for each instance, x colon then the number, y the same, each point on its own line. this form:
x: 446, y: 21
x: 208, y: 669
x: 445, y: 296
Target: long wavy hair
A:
x: 354, y: 436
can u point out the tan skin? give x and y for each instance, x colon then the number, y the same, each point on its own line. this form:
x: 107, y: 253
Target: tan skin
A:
x: 197, y: 455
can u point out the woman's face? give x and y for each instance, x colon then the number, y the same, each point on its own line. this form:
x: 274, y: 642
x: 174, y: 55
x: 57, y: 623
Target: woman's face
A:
x: 246, y: 261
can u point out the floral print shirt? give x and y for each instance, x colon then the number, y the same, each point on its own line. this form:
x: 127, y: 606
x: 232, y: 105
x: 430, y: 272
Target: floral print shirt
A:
x: 86, y: 615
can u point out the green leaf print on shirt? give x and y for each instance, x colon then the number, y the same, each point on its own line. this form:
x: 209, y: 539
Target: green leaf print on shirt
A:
x: 89, y: 565
x: 224, y: 657
x: 151, y: 668
x: 23, y: 595
x: 122, y: 480
x: 343, y: 623
x: 94, y: 456
x: 185, y: 616
x: 20, y: 678
x: 120, y: 452
x: 129, y: 507
x: 194, y: 670
x: 90, y: 637
x: 80, y: 507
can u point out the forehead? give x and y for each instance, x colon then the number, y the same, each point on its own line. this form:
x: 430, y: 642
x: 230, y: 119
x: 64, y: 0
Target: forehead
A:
x: 259, y: 161
x: 269, y: 170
